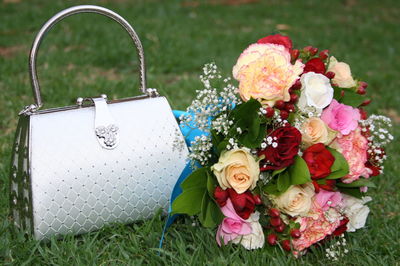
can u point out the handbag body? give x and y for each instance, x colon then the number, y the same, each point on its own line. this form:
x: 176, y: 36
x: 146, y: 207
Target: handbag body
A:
x: 77, y: 168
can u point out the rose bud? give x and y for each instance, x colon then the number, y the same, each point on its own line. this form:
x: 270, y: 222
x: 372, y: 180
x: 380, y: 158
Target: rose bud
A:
x: 280, y: 104
x: 363, y: 113
x: 272, y: 239
x: 296, y: 85
x: 269, y: 112
x: 330, y: 74
x: 294, y: 98
x: 307, y: 49
x: 274, y: 212
x: 257, y: 199
x: 220, y: 196
x: 324, y: 54
x: 363, y: 84
x: 342, y: 93
x: 286, y: 245
x: 280, y: 228
x: 294, y: 54
x: 366, y: 102
x: 314, y: 50
x: 284, y: 114
x: 295, y: 233
x: 361, y: 90
x: 275, y: 221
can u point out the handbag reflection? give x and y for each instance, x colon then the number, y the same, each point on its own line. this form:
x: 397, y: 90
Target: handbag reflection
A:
x: 77, y: 168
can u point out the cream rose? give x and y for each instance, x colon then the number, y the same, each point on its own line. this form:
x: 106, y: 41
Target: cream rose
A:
x: 356, y: 211
x: 342, y: 72
x: 314, y: 130
x: 237, y: 169
x: 265, y: 73
x: 316, y: 91
x: 297, y: 200
x: 256, y: 238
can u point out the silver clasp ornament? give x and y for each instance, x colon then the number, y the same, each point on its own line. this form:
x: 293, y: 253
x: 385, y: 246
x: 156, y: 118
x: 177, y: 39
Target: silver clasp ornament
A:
x: 107, y: 132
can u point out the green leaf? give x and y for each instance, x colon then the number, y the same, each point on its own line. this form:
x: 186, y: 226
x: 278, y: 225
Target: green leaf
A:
x: 189, y: 201
x: 275, y: 172
x: 211, y: 214
x: 211, y: 184
x: 197, y: 179
x: 298, y: 171
x: 358, y: 183
x: 352, y: 98
x: 355, y: 192
x: 284, y: 181
x: 337, y: 94
x: 271, y: 188
x: 340, y: 167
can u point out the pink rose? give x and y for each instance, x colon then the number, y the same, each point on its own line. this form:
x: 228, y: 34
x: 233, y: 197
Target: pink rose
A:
x: 354, y: 148
x: 341, y: 117
x: 327, y: 199
x: 232, y: 226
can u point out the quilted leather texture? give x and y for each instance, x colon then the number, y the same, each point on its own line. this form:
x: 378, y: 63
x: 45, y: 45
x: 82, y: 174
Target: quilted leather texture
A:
x: 78, y: 186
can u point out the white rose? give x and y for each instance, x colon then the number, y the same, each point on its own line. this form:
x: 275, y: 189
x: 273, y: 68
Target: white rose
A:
x: 236, y: 169
x: 356, y: 211
x: 297, y: 200
x: 256, y: 239
x: 316, y: 91
x: 342, y: 72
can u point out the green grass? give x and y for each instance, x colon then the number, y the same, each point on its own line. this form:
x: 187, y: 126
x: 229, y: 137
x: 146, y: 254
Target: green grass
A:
x: 87, y: 55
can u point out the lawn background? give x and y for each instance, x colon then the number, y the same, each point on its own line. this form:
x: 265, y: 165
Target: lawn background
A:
x: 86, y: 55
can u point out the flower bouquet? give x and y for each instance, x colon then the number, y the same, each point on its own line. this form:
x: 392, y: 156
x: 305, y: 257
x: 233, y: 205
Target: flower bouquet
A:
x: 289, y: 160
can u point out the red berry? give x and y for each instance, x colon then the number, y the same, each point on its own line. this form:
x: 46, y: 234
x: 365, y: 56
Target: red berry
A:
x: 361, y: 90
x: 294, y: 54
x: 280, y: 104
x: 330, y: 74
x: 293, y: 98
x: 272, y: 239
x: 274, y: 212
x: 366, y: 102
x: 295, y: 233
x: 296, y: 85
x: 314, y: 50
x: 363, y: 113
x: 286, y: 245
x: 280, y: 228
x: 342, y: 93
x: 289, y: 107
x: 275, y: 221
x: 269, y: 112
x: 324, y: 54
x: 284, y: 114
x: 257, y: 199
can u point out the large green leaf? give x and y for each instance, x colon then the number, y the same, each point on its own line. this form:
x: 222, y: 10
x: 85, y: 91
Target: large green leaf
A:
x: 358, y: 183
x: 284, y: 181
x: 298, y: 171
x: 352, y: 98
x: 340, y: 167
x: 355, y: 192
x: 275, y: 172
x: 197, y: 179
x: 189, y: 201
x: 211, y: 214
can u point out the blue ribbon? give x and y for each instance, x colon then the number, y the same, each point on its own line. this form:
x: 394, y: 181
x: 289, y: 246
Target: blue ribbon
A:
x: 189, y: 131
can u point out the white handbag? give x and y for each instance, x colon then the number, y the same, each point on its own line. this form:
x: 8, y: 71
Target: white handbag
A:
x: 77, y: 168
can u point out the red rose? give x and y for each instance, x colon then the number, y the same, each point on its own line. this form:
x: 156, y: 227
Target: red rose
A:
x: 315, y: 65
x: 277, y: 39
x: 281, y: 152
x: 220, y: 196
x: 319, y: 160
x: 376, y: 170
x: 342, y: 227
x: 329, y: 185
x: 244, y: 203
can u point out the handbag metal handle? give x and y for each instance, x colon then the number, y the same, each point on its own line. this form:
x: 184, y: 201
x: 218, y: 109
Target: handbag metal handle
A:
x: 66, y: 13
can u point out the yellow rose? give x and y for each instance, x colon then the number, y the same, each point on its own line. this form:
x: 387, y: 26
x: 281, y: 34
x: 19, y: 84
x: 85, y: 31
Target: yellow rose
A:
x: 236, y: 169
x: 342, y: 72
x: 314, y: 130
x: 265, y: 73
x: 297, y: 200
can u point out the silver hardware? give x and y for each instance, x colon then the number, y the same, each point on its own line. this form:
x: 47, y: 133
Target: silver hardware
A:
x: 79, y: 101
x: 105, y: 128
x: 28, y: 110
x: 108, y: 135
x: 152, y: 92
x: 66, y: 13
